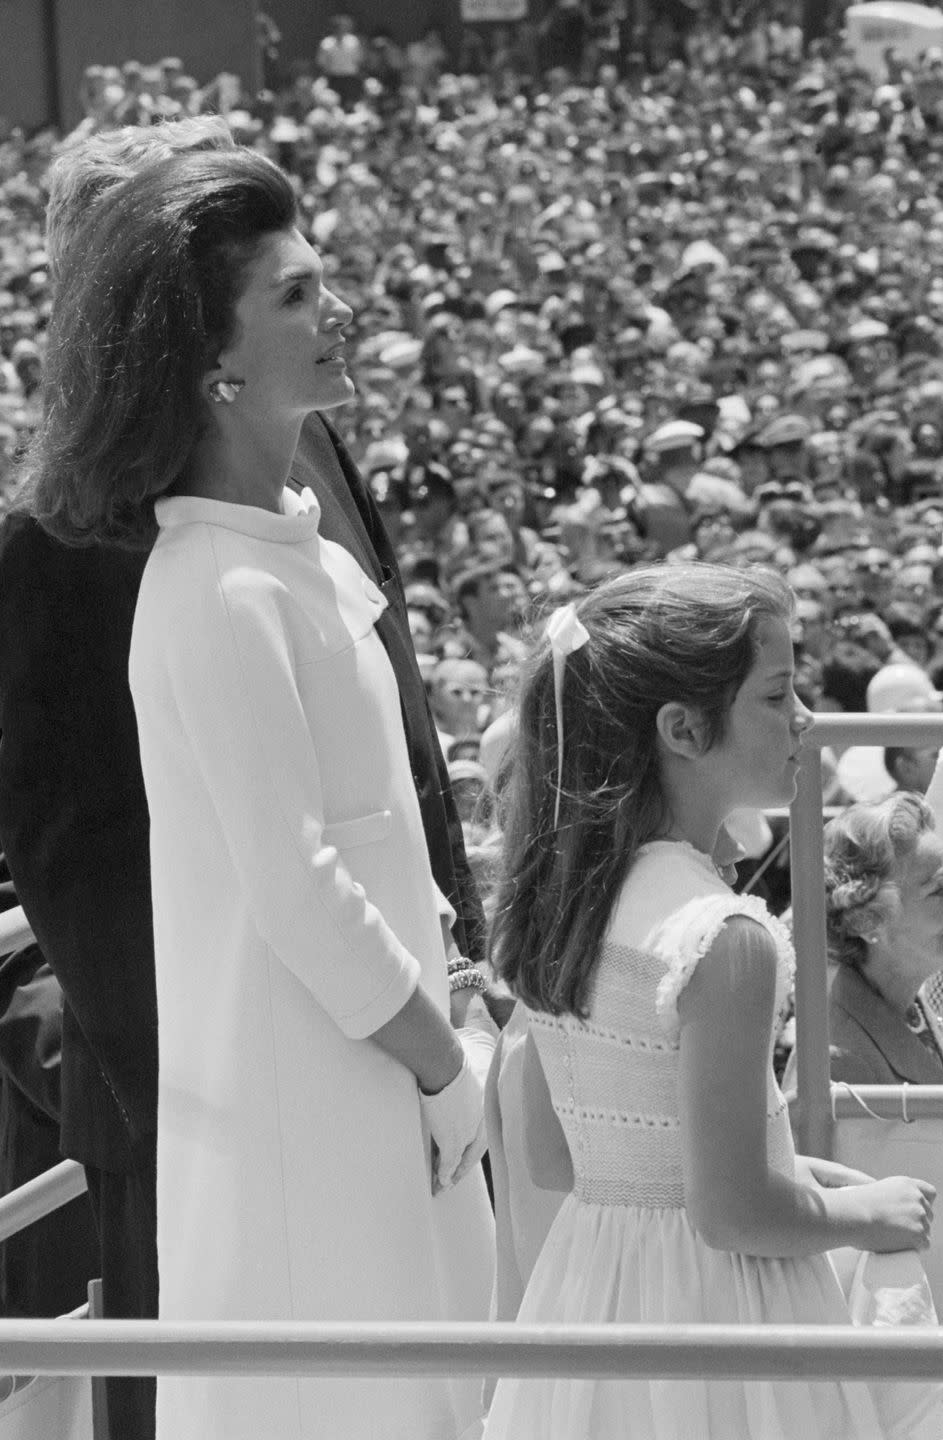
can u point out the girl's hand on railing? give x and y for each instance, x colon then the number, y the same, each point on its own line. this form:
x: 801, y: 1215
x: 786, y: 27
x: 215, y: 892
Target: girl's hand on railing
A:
x: 895, y: 1214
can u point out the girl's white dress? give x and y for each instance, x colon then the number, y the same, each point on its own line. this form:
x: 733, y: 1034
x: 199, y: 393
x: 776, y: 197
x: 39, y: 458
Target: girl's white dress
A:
x: 622, y: 1248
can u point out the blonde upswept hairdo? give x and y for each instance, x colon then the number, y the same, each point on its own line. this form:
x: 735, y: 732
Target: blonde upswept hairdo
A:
x: 863, y: 846
x: 657, y: 634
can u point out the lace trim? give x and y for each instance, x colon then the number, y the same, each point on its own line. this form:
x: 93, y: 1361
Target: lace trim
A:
x: 688, y: 935
x: 700, y: 857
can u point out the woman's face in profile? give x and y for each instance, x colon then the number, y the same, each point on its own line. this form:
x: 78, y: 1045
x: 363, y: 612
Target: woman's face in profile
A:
x: 917, y: 928
x: 288, y: 338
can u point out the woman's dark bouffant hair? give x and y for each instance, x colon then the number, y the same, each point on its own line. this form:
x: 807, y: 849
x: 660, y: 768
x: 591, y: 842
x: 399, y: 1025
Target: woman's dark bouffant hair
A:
x: 144, y: 305
x: 658, y: 634
x: 862, y: 848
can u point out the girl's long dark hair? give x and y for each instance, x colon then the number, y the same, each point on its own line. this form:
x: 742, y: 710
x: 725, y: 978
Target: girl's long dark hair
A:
x: 144, y: 304
x: 658, y: 634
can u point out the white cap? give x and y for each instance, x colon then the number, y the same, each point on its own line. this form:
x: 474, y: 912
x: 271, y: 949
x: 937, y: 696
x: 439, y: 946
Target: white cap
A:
x: 898, y: 686
x: 674, y: 435
x: 499, y: 300
x: 702, y: 255
x: 402, y: 354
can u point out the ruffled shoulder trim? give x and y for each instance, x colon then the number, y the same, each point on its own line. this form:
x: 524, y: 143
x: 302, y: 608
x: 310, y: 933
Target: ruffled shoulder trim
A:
x: 681, y: 940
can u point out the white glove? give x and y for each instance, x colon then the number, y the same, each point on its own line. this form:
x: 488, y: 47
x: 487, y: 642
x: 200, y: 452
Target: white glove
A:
x: 478, y: 1045
x: 457, y: 1124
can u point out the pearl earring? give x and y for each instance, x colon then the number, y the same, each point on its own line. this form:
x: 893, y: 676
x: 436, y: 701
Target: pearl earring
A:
x: 224, y: 392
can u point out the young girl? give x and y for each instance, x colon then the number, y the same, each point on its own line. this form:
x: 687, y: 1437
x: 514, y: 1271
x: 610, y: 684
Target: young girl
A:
x: 661, y: 704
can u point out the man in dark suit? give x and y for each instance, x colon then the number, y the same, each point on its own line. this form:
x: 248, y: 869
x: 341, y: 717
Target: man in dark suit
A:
x: 45, y: 1269
x: 73, y: 814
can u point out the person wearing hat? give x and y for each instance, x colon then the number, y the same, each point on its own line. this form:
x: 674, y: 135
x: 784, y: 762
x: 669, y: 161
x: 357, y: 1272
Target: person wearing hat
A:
x: 896, y: 688
x: 507, y: 493
x: 443, y: 365
x: 671, y: 454
x: 434, y: 505
x: 340, y: 58
x: 784, y: 440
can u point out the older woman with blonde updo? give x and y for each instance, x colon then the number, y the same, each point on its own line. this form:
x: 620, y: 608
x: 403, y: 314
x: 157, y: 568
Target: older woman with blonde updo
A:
x: 884, y: 906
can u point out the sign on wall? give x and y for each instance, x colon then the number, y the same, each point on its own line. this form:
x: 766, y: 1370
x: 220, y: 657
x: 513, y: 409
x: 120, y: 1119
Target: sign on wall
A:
x: 505, y: 10
x: 891, y: 24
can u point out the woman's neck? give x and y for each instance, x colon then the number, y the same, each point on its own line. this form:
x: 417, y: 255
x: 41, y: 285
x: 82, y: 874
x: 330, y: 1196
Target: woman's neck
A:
x: 891, y: 977
x: 240, y: 467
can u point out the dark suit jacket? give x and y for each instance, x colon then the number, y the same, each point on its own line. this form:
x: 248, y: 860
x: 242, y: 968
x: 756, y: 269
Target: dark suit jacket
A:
x: 869, y: 1043
x: 73, y: 813
x: 45, y: 1269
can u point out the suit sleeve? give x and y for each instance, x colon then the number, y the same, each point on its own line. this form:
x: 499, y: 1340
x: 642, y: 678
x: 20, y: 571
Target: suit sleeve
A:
x: 443, y: 827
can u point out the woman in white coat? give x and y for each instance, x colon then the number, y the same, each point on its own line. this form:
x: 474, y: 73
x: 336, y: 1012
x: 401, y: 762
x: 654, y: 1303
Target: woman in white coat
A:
x: 319, y: 1123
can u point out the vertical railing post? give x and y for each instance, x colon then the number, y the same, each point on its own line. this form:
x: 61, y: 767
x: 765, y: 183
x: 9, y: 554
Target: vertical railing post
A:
x: 101, y: 1426
x: 813, y: 1118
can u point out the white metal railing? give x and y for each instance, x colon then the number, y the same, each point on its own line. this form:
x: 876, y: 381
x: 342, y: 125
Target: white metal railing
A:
x: 813, y: 1111
x: 15, y: 930
x: 885, y: 1102
x: 801, y: 1353
x: 41, y: 1196
x: 670, y: 1352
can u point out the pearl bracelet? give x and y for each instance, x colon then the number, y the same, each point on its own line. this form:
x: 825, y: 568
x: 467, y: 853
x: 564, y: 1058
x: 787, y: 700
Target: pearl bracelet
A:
x: 470, y: 979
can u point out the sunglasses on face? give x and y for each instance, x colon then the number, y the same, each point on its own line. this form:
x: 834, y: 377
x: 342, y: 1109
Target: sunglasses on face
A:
x: 771, y: 491
x: 469, y: 692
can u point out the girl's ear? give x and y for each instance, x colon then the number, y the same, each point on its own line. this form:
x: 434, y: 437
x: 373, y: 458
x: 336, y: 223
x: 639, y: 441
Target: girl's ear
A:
x: 681, y: 729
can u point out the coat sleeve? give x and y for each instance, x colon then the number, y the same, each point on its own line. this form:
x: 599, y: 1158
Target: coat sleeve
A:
x: 220, y: 669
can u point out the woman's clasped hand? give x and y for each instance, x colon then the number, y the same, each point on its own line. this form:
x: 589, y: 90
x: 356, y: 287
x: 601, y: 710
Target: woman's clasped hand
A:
x: 456, y: 1122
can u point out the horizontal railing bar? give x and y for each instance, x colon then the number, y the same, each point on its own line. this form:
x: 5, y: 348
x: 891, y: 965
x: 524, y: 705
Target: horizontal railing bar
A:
x: 39, y: 1197
x: 861, y: 729
x: 783, y: 812
x: 781, y: 1352
x: 15, y: 930
x: 890, y: 1102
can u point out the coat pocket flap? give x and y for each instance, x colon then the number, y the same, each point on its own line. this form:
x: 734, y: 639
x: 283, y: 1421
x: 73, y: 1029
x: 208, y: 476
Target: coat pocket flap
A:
x: 364, y: 830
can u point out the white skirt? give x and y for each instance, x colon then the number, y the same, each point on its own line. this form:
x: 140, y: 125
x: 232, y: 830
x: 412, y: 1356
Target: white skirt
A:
x: 622, y: 1264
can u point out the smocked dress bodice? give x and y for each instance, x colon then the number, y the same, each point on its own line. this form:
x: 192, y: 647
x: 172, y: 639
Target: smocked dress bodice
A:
x: 613, y: 1077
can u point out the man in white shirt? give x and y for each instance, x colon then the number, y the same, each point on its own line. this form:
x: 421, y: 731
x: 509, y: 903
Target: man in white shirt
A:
x: 340, y: 60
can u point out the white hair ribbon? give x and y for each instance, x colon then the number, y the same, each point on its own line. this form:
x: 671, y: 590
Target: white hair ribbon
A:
x: 566, y: 633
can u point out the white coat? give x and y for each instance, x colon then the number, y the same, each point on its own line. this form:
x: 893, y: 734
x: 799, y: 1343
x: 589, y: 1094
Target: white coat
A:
x: 294, y: 912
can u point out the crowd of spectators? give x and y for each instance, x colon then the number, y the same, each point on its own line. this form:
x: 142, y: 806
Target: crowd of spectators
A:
x: 676, y: 302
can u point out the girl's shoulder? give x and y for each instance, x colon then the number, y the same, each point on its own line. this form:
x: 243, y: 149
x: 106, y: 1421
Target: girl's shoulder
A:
x: 664, y: 874
x: 688, y: 934
x: 673, y: 907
